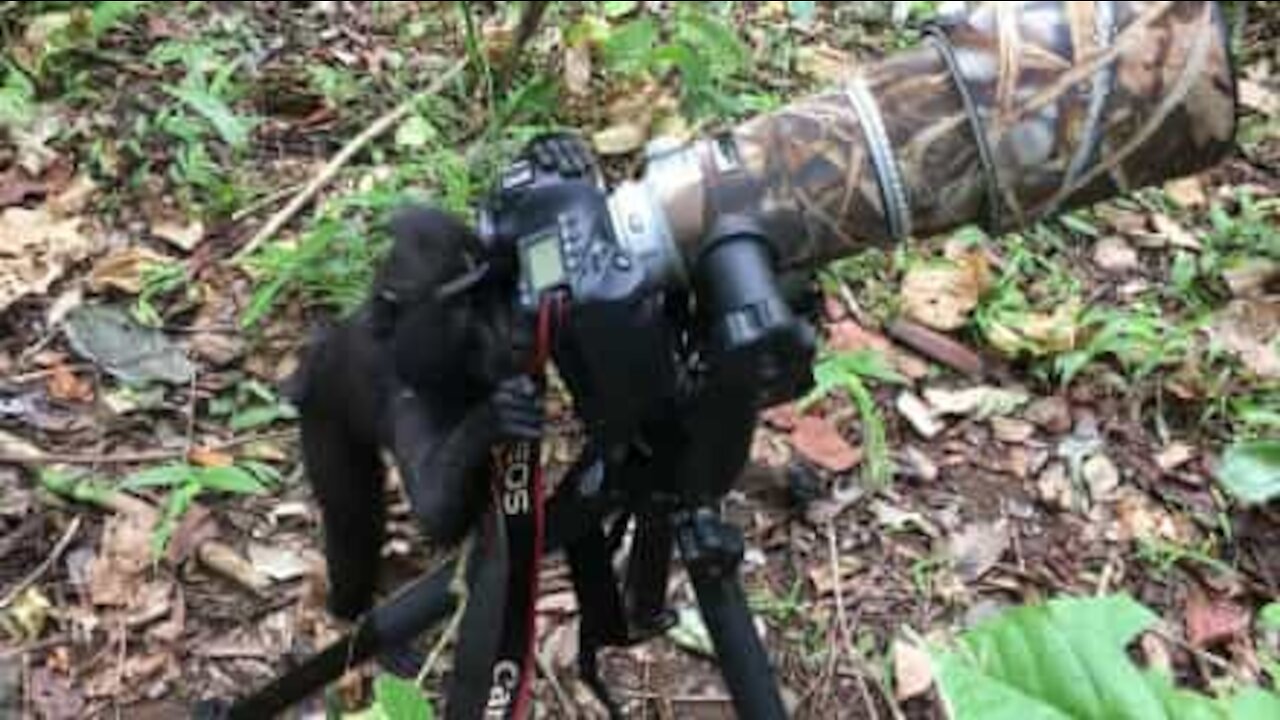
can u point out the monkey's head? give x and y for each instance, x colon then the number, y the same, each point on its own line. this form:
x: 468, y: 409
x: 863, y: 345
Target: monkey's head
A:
x: 449, y: 323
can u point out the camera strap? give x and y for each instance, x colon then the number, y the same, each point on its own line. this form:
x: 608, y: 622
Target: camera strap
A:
x: 520, y: 515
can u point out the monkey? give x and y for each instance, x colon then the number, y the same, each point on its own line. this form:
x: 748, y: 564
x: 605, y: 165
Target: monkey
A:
x: 428, y: 370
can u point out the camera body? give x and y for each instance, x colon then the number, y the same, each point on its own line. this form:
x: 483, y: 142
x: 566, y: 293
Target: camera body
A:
x: 549, y: 216
x: 636, y: 331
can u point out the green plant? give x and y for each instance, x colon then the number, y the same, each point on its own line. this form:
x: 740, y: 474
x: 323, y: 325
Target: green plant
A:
x: 1164, y: 556
x: 17, y: 97
x: 187, y: 483
x: 698, y: 46
x: 158, y: 280
x: 251, y: 405
x: 396, y: 699
x: 1141, y: 339
x: 1067, y: 659
x: 1250, y: 471
x: 851, y: 373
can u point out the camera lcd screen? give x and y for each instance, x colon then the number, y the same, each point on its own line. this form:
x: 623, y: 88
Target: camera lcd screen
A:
x: 545, y: 263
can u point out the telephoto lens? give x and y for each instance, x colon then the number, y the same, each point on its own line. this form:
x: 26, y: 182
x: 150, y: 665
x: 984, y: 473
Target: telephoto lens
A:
x: 1008, y: 113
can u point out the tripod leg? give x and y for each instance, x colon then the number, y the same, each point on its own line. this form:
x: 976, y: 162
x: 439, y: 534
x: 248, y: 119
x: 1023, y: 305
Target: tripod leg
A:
x: 409, y: 614
x: 712, y: 551
x: 648, y: 573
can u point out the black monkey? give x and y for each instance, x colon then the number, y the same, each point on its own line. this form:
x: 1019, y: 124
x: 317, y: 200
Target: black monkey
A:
x: 428, y: 369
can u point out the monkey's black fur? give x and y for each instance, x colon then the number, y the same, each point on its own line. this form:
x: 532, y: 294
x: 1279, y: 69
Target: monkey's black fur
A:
x: 434, y: 381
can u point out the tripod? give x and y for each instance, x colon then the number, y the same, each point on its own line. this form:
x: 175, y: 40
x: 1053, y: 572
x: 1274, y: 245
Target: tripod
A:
x: 664, y: 476
x: 669, y: 490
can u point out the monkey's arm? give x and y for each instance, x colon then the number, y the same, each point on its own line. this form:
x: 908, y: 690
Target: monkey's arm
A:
x: 443, y: 464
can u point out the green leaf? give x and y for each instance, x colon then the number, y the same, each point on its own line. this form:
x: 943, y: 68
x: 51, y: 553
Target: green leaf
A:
x: 1064, y: 659
x: 630, y: 48
x: 231, y: 128
x: 257, y: 417
x: 1251, y: 471
x: 618, y: 8
x: 1255, y: 704
x: 690, y: 632
x: 1269, y: 617
x: 231, y: 480
x: 180, y: 501
x: 416, y: 132
x: 401, y: 699
x: 166, y: 476
x: 107, y: 15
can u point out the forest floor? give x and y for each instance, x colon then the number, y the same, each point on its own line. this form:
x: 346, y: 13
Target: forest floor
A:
x: 158, y: 543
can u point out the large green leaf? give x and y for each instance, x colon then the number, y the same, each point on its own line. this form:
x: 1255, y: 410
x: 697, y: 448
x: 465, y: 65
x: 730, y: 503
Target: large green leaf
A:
x: 1067, y: 660
x: 401, y: 700
x: 1251, y: 471
x: 231, y: 480
x: 1064, y: 659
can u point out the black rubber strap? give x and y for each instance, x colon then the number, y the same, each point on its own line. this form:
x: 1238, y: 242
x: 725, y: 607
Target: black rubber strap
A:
x: 937, y: 36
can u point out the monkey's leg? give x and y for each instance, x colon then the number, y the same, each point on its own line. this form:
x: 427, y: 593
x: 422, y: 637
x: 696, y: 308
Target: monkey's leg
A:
x: 347, y: 478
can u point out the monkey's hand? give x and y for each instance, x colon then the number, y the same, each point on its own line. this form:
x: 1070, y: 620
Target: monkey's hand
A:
x: 519, y: 409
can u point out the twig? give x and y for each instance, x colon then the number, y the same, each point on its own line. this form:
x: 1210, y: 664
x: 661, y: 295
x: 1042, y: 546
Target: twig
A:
x: 842, y: 620
x: 344, y: 156
x: 1196, y: 652
x: 43, y: 374
x: 136, y: 458
x: 263, y: 202
x: 45, y: 566
x: 457, y: 586
x: 35, y: 647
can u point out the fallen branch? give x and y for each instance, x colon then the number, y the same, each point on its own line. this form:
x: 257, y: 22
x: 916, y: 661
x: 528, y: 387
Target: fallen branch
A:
x: 344, y: 156
x: 151, y: 456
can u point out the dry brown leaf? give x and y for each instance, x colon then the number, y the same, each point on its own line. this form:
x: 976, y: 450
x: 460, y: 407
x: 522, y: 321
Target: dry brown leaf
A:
x: 1250, y: 330
x: 123, y: 559
x: 1253, y: 277
x: 36, y: 248
x: 1139, y: 518
x: 1256, y: 96
x: 15, y: 447
x: 1015, y: 432
x: 1175, y: 456
x: 577, y: 69
x: 1114, y: 255
x: 912, y: 671
x: 16, y: 187
x: 1187, y: 192
x: 1052, y: 414
x: 1213, y: 622
x: 819, y: 441
x: 74, y: 198
x: 824, y: 63
x: 66, y: 386
x: 941, y: 296
x: 184, y: 237
x: 124, y: 270
x: 281, y: 564
x: 824, y: 579
x: 205, y: 457
x: 620, y: 139
x: 978, y: 548
x: 919, y: 414
x: 54, y: 696
x: 1101, y: 476
x: 1174, y: 233
x: 197, y: 527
